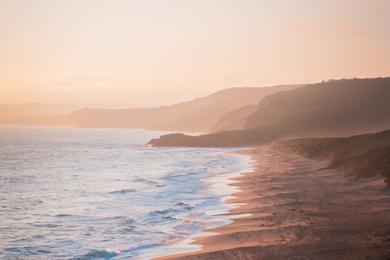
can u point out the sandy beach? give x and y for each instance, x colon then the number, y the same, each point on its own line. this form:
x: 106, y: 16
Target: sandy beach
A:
x: 299, y: 210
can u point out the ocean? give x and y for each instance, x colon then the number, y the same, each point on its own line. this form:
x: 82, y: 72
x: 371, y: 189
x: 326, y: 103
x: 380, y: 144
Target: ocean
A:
x: 83, y: 193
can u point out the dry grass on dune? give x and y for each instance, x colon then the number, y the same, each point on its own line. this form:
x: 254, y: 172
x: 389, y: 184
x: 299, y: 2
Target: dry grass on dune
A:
x: 365, y: 155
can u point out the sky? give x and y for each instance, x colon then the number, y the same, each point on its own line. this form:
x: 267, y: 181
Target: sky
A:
x: 155, y: 52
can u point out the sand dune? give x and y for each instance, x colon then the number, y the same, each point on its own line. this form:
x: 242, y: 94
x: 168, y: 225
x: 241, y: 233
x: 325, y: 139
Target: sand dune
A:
x: 365, y: 155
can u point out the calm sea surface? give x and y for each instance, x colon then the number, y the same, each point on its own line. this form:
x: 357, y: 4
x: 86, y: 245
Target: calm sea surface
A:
x: 69, y: 193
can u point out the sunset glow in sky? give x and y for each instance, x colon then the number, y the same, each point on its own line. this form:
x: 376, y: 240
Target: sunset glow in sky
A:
x: 152, y: 52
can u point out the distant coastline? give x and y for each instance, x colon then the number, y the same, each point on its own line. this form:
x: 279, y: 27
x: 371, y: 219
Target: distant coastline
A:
x: 321, y: 151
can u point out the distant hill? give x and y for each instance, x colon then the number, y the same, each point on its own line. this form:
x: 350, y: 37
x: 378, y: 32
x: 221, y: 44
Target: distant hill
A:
x: 25, y: 110
x: 366, y: 155
x: 198, y: 115
x: 332, y: 108
x: 36, y: 109
x: 234, y: 120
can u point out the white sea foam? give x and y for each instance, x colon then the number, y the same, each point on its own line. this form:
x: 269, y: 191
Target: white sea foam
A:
x: 90, y: 193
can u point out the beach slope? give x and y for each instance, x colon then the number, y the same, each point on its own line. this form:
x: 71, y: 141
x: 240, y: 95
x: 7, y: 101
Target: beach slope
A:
x: 300, y: 209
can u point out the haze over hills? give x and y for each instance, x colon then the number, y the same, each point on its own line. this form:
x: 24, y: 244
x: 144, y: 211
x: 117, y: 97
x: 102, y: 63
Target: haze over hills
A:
x: 235, y: 119
x: 18, y: 110
x: 198, y: 115
x: 36, y: 109
x: 332, y: 108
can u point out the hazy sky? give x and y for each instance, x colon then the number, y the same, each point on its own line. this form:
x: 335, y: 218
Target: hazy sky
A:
x: 150, y: 52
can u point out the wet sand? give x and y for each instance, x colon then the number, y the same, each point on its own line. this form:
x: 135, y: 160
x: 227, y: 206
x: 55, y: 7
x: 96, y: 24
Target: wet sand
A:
x: 299, y: 210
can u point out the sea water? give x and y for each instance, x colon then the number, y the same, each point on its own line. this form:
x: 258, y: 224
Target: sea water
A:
x: 72, y: 193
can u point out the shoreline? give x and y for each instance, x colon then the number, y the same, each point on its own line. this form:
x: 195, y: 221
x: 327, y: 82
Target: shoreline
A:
x: 290, y: 207
x: 235, y: 202
x: 229, y: 182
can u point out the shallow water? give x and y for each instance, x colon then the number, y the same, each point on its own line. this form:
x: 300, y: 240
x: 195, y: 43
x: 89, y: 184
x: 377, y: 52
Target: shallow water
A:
x: 69, y: 193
